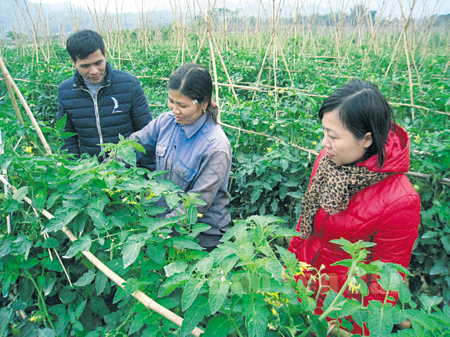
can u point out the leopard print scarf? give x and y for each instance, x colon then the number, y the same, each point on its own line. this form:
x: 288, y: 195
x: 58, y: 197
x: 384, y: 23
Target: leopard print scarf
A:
x: 331, y: 189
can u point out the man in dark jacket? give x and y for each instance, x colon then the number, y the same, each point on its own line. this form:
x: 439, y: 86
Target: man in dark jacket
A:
x: 100, y: 103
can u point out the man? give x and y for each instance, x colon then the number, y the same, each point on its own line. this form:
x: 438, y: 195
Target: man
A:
x: 100, y: 103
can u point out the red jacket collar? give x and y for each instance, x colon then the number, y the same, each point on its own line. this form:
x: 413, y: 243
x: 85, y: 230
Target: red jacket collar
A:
x: 397, y: 153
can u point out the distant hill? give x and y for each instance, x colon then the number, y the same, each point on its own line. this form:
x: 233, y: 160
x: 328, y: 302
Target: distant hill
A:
x: 61, y: 16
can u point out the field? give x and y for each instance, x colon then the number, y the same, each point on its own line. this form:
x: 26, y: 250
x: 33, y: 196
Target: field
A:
x: 270, y: 82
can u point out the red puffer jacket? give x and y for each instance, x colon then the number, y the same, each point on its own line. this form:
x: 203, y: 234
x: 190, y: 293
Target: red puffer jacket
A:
x: 387, y: 213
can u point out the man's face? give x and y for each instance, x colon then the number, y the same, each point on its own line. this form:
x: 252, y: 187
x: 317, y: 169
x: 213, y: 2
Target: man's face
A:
x: 92, y: 68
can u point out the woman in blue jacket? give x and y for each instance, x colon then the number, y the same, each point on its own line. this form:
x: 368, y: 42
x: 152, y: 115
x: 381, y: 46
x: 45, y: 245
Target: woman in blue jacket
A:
x: 193, y: 148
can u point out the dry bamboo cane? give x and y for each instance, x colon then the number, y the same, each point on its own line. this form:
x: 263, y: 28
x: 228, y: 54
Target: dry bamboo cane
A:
x: 9, y: 80
x: 14, y: 102
x: 411, y: 88
x: 139, y: 295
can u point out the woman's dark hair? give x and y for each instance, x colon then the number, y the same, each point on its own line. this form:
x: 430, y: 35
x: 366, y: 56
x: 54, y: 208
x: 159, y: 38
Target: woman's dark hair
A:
x: 194, y: 81
x: 362, y: 108
x: 83, y: 43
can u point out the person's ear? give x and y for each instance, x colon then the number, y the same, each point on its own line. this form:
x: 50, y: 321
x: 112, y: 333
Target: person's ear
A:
x: 367, y: 140
x: 204, y: 106
x: 73, y: 62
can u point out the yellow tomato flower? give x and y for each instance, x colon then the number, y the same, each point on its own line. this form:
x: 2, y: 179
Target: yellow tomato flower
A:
x: 274, y: 312
x: 269, y: 149
x: 417, y: 139
x: 302, y: 267
x: 354, y: 286
x: 314, y: 143
x: 200, y: 215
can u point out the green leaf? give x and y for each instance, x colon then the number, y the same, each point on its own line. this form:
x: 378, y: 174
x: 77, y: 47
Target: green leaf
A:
x: 21, y: 246
x: 228, y: 263
x: 138, y: 322
x: 258, y: 237
x: 205, y: 265
x: 255, y: 195
x: 236, y: 288
x: 46, y: 332
x: 439, y: 267
x: 40, y: 199
x: 286, y: 232
x: 274, y: 267
x: 430, y: 301
x: 256, y: 315
x: 295, y: 195
x: 86, y: 279
x: 100, y: 283
x: 264, y: 220
x: 173, y: 200
x: 130, y: 251
x: 289, y: 259
x: 349, y: 308
x: 66, y: 296
x: 52, y: 199
x: 98, y: 217
x: 20, y: 193
x: 82, y: 244
x: 380, y: 319
x: 360, y: 317
x: 194, y: 315
x: 185, y: 243
x: 217, y: 294
x: 390, y: 279
x: 156, y: 252
x: 175, y: 268
x: 192, y: 214
x: 190, y: 292
x: 172, y: 283
x: 60, y: 221
x: 50, y: 243
x: 79, y: 309
x: 5, y: 316
x: 132, y: 185
x: 217, y: 327
x: 403, y: 294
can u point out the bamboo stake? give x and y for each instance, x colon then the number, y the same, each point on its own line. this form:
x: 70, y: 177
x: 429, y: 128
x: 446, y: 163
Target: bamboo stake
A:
x: 139, y: 295
x: 411, y: 88
x: 14, y: 102
x: 9, y: 79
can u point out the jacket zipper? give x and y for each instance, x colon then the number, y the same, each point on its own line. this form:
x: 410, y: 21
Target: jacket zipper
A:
x: 97, y: 117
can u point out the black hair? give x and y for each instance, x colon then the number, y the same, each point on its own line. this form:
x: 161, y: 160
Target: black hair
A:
x: 362, y: 108
x: 83, y: 43
x: 194, y: 81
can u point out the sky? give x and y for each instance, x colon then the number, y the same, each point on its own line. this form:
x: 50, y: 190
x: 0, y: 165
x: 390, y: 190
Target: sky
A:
x: 392, y: 9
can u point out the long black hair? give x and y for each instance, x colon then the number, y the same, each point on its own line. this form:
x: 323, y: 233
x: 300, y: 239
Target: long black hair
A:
x: 362, y: 108
x: 194, y: 81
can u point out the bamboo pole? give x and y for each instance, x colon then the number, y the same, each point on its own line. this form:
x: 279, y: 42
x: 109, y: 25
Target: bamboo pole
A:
x: 14, y: 102
x: 139, y: 295
x: 9, y: 79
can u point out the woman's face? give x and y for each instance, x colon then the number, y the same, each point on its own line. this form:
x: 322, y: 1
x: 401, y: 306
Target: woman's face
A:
x: 342, y: 146
x: 184, y: 109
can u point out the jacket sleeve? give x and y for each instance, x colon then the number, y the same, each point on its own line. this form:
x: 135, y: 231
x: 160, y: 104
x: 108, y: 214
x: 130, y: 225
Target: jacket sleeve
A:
x: 395, y: 235
x: 140, y: 111
x: 70, y: 144
x: 208, y: 180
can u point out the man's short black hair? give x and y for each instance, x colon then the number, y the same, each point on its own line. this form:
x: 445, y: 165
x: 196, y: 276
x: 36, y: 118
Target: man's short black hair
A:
x: 83, y: 43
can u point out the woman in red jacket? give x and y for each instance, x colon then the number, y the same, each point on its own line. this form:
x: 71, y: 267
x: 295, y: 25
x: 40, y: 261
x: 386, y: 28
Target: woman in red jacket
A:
x: 358, y: 189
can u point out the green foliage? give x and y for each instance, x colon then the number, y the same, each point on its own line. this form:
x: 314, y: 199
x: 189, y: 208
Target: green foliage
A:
x: 246, y: 287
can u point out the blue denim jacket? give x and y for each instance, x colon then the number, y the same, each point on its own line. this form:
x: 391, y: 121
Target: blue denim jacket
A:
x: 198, y: 158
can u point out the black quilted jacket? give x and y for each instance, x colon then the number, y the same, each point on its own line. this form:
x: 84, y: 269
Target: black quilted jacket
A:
x: 122, y: 108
